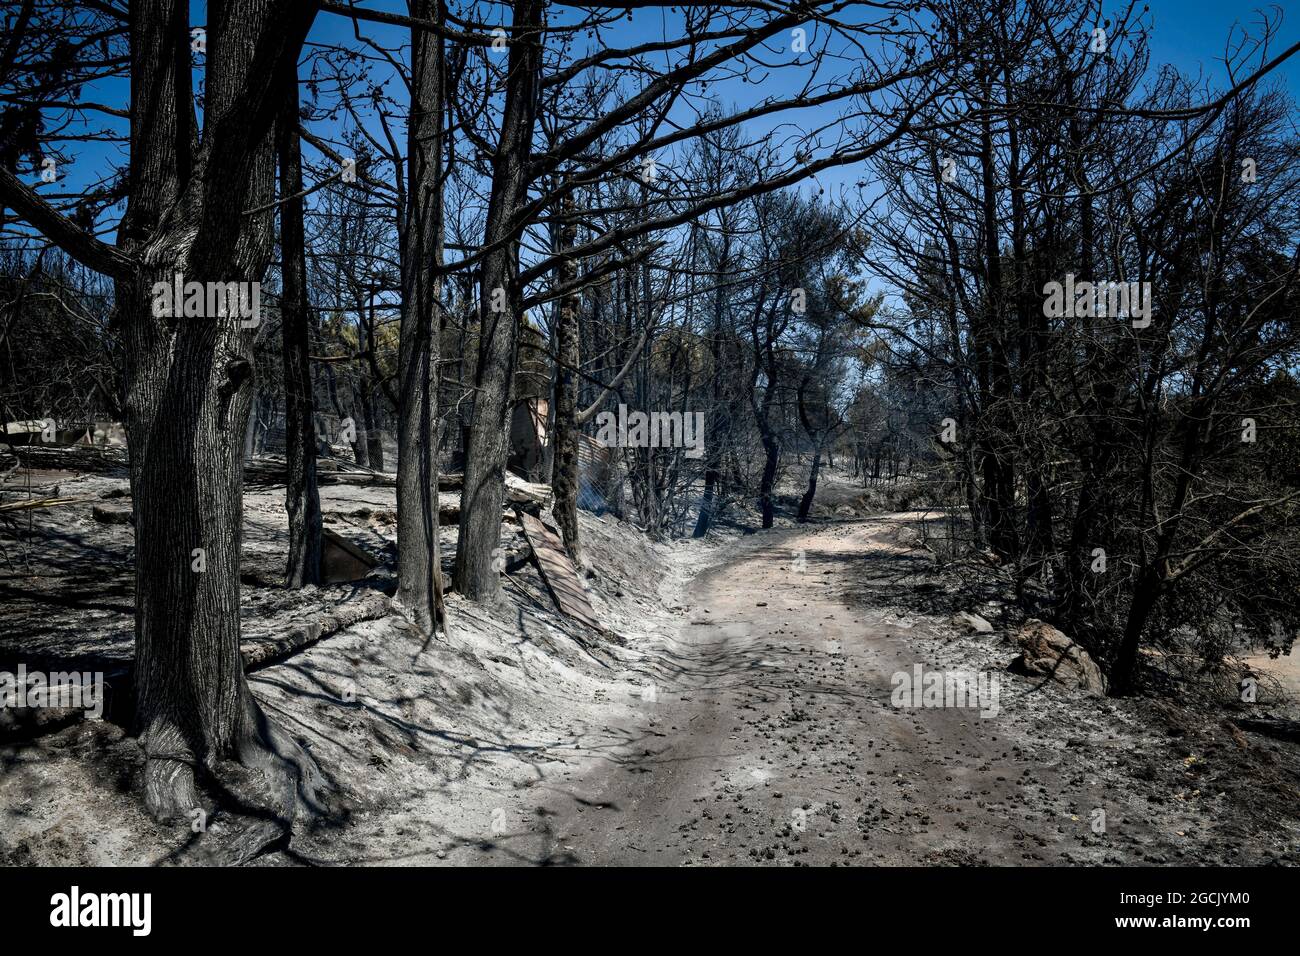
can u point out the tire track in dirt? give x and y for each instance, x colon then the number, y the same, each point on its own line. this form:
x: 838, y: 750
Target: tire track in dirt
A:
x: 769, y: 737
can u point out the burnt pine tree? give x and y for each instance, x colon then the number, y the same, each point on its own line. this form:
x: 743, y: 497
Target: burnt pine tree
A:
x: 500, y: 306
x: 302, y: 499
x: 566, y: 470
x: 419, y: 575
x: 188, y: 380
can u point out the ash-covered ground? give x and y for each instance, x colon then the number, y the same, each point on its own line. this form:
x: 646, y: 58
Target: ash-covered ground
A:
x: 739, y: 710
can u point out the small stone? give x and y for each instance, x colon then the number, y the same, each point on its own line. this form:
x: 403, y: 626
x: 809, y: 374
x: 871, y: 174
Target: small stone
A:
x: 972, y: 623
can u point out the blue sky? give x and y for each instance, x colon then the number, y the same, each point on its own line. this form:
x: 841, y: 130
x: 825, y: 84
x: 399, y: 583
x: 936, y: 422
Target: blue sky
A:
x: 1189, y: 34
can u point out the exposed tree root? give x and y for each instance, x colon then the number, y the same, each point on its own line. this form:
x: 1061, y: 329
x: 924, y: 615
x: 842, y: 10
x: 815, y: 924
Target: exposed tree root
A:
x: 272, y: 777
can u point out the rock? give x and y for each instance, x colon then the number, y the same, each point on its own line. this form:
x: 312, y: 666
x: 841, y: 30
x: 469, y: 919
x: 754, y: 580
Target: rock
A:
x: 1046, y: 652
x: 972, y: 622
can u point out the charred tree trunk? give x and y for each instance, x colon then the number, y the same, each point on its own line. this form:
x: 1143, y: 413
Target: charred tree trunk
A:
x: 1123, y: 672
x: 419, y: 562
x: 816, y: 437
x: 565, y: 472
x: 805, y: 503
x: 189, y: 388
x: 301, y: 497
x: 1154, y: 577
x: 360, y: 443
x: 373, y: 434
x: 713, y: 467
x: 772, y: 456
x: 705, y: 519
x: 997, y: 456
x: 369, y: 437
x: 1038, y: 533
x: 500, y: 307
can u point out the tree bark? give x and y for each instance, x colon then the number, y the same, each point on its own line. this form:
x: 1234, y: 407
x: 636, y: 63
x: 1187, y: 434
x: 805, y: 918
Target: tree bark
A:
x: 419, y: 560
x: 1123, y: 672
x: 721, y: 407
x: 805, y: 504
x: 768, y: 481
x: 188, y: 388
x: 997, y: 454
x: 500, y: 307
x: 565, y: 475
x: 368, y: 449
x: 302, y: 499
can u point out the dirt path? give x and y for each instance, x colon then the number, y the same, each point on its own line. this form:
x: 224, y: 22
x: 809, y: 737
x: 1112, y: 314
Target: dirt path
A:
x: 769, y: 734
x: 746, y: 718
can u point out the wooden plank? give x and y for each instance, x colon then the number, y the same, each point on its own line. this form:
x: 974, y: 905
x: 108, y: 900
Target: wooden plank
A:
x: 558, y: 572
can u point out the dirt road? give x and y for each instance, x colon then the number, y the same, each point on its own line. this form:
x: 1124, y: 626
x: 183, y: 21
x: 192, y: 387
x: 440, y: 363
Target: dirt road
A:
x: 767, y: 735
x: 746, y: 717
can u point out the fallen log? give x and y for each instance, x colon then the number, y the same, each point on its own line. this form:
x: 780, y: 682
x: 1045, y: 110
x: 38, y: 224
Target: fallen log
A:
x: 520, y: 492
x: 75, y: 458
x: 113, y: 512
x: 32, y: 504
x: 1275, y: 727
x: 260, y: 651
